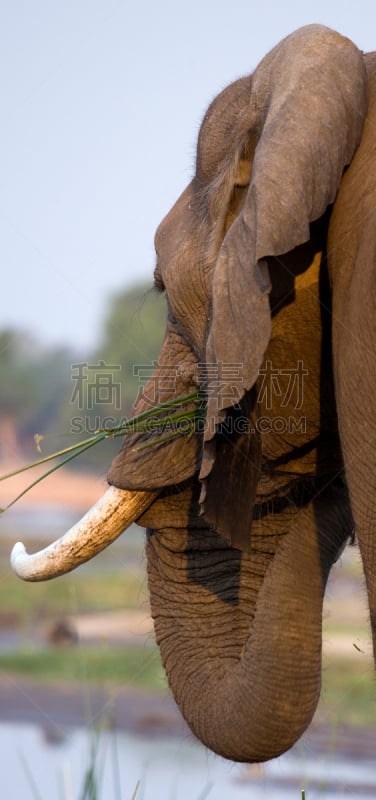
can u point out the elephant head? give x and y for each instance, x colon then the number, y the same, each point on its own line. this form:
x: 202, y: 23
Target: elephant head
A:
x: 246, y: 517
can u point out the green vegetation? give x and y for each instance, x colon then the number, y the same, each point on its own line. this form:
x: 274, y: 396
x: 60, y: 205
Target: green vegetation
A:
x: 116, y: 579
x: 348, y: 687
x: 348, y: 692
x: 34, y: 386
x: 122, y: 666
x: 113, y: 582
x: 58, y: 394
x: 133, y: 334
x: 85, y: 593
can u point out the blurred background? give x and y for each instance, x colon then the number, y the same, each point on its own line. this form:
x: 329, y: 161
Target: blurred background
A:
x: 100, y: 108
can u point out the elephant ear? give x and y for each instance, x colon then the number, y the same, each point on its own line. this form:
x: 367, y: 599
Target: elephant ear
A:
x: 297, y: 123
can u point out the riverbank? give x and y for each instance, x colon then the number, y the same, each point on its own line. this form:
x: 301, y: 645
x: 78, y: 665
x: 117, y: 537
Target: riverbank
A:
x: 56, y: 707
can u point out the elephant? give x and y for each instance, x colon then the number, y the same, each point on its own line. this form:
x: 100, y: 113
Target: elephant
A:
x: 266, y: 260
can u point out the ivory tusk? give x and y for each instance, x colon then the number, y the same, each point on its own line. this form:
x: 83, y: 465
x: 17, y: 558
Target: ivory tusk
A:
x: 100, y: 526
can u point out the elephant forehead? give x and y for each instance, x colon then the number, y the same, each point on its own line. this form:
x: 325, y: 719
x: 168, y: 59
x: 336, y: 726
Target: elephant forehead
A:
x: 182, y: 244
x: 176, y: 228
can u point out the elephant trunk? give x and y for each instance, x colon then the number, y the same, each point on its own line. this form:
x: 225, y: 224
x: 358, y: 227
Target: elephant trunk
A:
x: 240, y: 634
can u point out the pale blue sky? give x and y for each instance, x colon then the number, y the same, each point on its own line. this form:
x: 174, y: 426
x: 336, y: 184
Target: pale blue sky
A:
x: 100, y: 104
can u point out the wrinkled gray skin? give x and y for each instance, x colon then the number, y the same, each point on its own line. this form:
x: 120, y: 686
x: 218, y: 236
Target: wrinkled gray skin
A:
x: 352, y: 259
x: 247, y: 526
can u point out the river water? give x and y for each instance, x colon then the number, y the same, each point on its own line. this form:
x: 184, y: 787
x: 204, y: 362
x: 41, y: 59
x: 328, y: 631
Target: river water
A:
x: 34, y: 767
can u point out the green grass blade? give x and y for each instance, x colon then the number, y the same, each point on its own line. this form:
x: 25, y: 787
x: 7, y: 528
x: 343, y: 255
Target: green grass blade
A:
x: 136, y: 424
x: 162, y: 440
x: 45, y: 459
x: 53, y: 469
x: 133, y: 425
x: 169, y: 415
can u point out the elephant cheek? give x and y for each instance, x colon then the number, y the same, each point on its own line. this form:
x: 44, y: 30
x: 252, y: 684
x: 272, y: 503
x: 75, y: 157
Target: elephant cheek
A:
x: 153, y: 459
x: 158, y: 466
x: 176, y: 508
